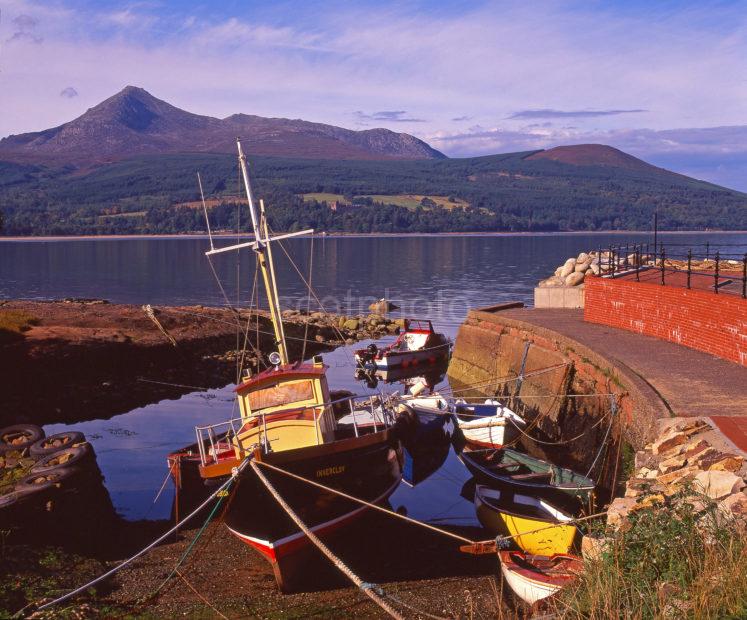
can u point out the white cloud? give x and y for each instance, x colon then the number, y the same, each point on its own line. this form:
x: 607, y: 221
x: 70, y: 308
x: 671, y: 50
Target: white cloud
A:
x: 482, y: 64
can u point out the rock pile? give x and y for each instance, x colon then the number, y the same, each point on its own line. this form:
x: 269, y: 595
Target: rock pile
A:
x: 684, y: 457
x: 574, y: 271
x: 330, y: 328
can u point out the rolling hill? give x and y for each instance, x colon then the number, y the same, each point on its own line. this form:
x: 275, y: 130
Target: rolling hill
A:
x: 507, y: 192
x: 133, y: 122
x: 128, y: 165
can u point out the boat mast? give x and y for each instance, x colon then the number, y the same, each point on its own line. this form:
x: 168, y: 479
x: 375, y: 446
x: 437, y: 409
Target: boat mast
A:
x: 264, y: 256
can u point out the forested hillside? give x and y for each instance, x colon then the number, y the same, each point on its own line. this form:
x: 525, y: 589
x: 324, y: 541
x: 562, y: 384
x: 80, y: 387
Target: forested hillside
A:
x: 510, y: 192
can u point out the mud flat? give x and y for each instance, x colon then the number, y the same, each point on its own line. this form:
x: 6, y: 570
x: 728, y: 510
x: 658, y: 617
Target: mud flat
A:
x: 83, y: 359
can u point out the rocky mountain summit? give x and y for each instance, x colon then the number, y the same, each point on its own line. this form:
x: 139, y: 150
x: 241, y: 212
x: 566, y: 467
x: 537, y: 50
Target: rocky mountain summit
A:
x: 133, y: 122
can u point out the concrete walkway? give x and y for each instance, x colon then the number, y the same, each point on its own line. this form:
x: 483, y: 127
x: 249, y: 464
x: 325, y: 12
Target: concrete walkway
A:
x: 689, y: 382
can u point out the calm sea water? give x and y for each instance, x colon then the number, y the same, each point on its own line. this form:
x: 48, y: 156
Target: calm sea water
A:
x: 435, y: 277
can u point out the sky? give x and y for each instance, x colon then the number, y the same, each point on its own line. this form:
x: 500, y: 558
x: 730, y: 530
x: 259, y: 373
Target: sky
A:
x: 665, y: 81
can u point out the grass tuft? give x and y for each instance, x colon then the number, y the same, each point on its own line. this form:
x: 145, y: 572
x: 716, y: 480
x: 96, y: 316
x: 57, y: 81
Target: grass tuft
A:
x: 683, y: 560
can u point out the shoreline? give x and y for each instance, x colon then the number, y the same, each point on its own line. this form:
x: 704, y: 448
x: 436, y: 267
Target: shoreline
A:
x: 228, y: 235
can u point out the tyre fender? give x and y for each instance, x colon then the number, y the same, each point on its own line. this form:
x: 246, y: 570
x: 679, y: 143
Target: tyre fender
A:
x: 55, y: 443
x: 19, y: 436
x: 62, y: 459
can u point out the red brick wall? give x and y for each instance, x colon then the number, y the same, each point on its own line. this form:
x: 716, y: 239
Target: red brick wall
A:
x: 715, y: 324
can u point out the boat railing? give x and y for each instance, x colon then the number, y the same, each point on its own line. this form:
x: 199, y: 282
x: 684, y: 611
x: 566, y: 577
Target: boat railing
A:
x: 210, y: 436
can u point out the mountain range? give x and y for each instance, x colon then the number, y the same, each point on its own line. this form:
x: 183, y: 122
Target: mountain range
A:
x: 133, y: 122
x: 128, y: 165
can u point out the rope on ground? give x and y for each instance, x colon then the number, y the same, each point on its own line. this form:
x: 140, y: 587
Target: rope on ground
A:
x: 367, y: 504
x: 370, y: 590
x: 201, y: 597
x: 152, y: 316
x: 144, y: 550
x: 191, y: 545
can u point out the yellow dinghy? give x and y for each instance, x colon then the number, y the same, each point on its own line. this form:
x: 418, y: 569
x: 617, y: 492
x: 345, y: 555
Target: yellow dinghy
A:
x: 536, y: 527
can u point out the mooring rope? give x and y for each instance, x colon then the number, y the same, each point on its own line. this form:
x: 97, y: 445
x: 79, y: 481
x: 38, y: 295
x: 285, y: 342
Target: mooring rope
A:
x: 367, y: 504
x: 144, y: 550
x: 369, y: 589
x: 498, y: 540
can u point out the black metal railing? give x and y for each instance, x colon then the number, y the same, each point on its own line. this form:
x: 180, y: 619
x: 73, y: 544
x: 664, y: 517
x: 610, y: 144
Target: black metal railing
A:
x: 725, y: 264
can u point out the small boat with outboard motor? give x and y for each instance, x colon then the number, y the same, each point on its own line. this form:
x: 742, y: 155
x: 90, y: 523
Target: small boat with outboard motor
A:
x: 297, y: 434
x: 418, y: 344
x: 517, y: 472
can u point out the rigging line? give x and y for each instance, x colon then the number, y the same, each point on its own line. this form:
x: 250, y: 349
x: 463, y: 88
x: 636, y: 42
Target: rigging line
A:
x: 308, y: 299
x: 196, y: 388
x: 246, y: 331
x: 560, y: 443
x: 222, y: 290
x: 365, y: 503
x: 611, y: 413
x: 372, y: 591
x: 217, y: 320
x: 316, y: 298
x: 144, y: 550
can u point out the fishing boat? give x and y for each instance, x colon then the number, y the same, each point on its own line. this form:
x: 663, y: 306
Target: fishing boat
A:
x: 536, y: 526
x: 289, y: 426
x: 488, y: 425
x: 534, y: 578
x: 417, y: 345
x: 520, y: 473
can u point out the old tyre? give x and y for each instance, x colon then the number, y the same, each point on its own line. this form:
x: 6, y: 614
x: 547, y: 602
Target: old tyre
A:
x: 55, y: 443
x: 8, y: 500
x: 45, y: 481
x: 19, y: 436
x: 61, y: 459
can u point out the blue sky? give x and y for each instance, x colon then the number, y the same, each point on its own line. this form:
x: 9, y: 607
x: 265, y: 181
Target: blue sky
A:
x: 665, y: 81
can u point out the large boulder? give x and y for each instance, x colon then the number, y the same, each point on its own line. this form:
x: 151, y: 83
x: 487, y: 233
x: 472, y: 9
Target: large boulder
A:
x: 717, y: 484
x: 582, y: 267
x: 582, y: 258
x: 350, y: 325
x: 568, y: 267
x: 574, y: 279
x: 618, y: 510
x: 551, y: 282
x: 382, y: 306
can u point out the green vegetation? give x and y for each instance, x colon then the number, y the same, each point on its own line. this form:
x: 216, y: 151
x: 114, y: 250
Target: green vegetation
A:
x: 494, y: 193
x: 323, y: 197
x: 13, y: 323
x: 680, y: 560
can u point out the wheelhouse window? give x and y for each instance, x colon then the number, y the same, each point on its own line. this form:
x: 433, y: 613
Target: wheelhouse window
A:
x: 281, y: 394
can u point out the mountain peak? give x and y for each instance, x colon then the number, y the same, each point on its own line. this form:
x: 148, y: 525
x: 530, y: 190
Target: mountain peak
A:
x: 593, y: 155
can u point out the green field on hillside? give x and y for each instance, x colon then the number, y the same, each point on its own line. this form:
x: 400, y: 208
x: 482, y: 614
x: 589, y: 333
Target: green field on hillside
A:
x: 495, y: 193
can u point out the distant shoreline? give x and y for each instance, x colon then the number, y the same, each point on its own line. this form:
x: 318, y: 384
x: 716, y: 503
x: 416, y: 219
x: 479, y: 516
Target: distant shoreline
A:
x: 224, y: 236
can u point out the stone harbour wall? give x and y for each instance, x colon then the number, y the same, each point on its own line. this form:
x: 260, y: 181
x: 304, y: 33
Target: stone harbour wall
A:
x: 565, y: 392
